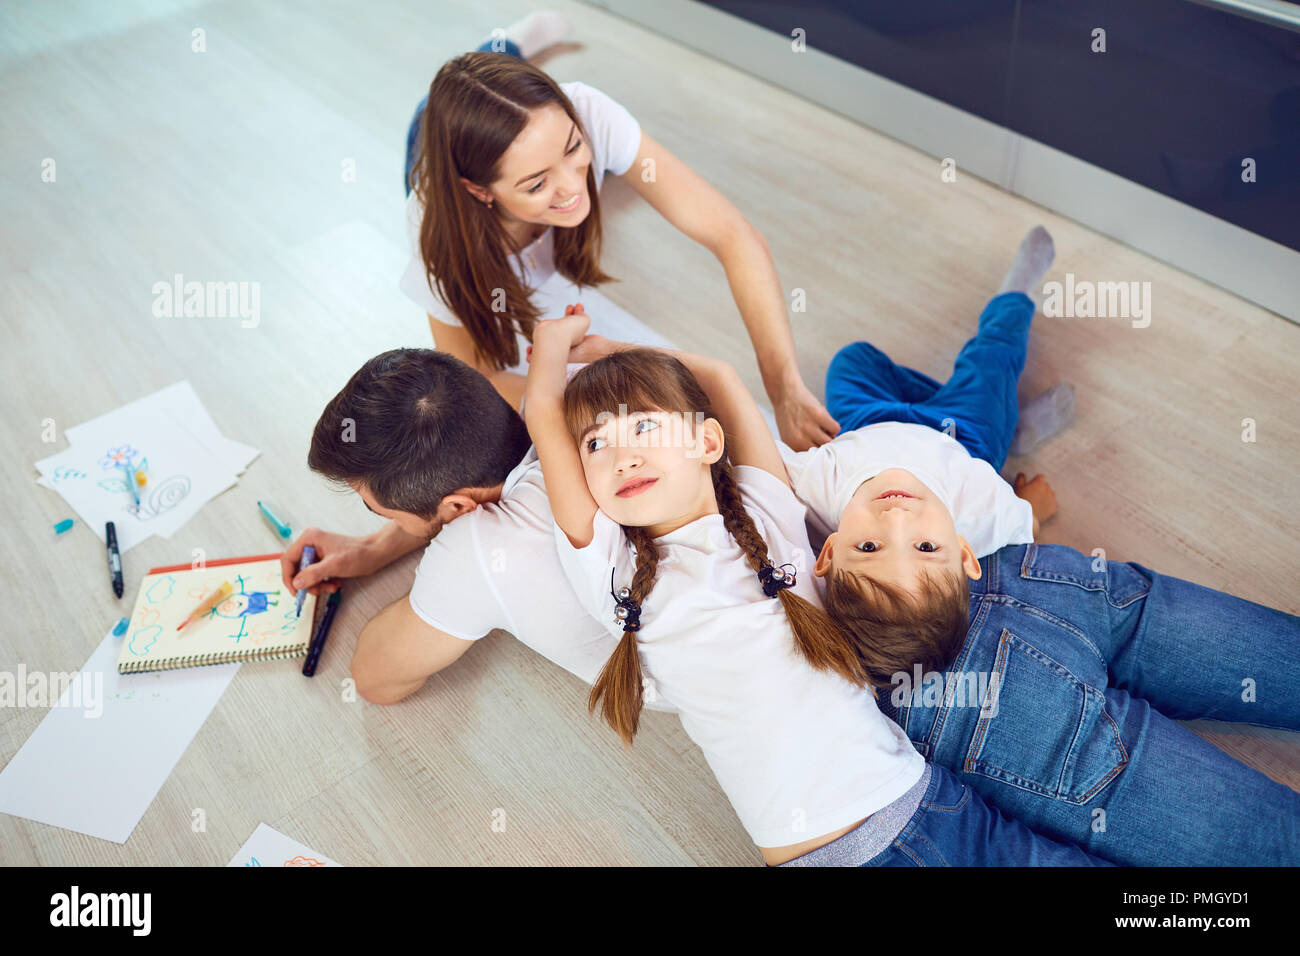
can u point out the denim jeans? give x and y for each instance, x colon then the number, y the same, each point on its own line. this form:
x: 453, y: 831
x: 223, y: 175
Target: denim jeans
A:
x: 413, y: 130
x: 953, y: 826
x: 977, y: 405
x: 1059, y: 709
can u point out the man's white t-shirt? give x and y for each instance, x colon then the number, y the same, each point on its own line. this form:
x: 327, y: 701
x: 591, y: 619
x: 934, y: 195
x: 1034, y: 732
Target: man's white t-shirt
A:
x: 798, y: 751
x: 614, y: 137
x: 496, y: 567
x: 986, y: 512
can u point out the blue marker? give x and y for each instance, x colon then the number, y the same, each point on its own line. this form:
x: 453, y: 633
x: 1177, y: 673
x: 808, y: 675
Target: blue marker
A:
x: 282, y: 529
x: 120, y: 628
x: 130, y: 483
x: 308, y: 556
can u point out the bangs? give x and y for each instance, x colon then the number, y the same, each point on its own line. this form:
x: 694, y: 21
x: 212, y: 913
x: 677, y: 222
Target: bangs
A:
x: 641, y: 380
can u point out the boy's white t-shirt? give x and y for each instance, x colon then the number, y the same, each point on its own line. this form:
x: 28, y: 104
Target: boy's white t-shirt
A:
x: 798, y: 751
x: 614, y: 137
x: 984, y: 509
x: 496, y: 567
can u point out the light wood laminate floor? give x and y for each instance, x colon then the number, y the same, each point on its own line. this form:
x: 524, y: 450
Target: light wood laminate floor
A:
x: 227, y: 165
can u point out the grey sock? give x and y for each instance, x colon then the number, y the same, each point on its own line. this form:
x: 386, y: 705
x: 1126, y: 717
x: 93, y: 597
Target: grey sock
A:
x: 1033, y: 259
x: 1043, y: 417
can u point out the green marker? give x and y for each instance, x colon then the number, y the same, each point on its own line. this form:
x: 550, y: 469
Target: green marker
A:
x: 281, y: 529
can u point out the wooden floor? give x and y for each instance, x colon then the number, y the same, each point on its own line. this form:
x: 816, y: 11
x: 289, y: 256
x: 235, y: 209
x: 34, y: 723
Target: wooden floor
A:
x: 228, y: 165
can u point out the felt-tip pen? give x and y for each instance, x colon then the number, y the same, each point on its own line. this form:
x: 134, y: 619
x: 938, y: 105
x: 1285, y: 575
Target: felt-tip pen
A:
x: 114, y: 558
x: 308, y: 556
x: 322, y: 632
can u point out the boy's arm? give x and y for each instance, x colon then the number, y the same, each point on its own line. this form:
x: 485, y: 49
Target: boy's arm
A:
x: 566, y: 484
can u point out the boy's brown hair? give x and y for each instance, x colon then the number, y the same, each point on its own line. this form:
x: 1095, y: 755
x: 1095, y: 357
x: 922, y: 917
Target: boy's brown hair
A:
x: 895, y: 629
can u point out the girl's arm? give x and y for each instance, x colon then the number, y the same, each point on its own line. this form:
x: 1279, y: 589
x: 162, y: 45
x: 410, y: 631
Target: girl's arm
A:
x: 455, y: 340
x: 566, y: 484
x: 697, y: 209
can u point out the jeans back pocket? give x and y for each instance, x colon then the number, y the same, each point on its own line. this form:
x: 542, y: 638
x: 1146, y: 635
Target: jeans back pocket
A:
x: 1042, y: 729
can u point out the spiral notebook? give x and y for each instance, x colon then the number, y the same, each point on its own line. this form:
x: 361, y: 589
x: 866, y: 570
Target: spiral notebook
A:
x: 257, y: 622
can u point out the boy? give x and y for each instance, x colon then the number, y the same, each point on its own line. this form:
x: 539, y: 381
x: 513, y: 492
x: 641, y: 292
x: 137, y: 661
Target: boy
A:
x: 911, y: 485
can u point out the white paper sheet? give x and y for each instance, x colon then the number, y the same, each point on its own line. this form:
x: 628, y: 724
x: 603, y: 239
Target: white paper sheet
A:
x: 180, y: 404
x: 189, y: 463
x: 183, y: 475
x: 99, y: 774
x: 269, y: 847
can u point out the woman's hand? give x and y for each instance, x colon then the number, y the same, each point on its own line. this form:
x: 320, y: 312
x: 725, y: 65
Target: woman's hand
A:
x: 337, y: 556
x: 802, y: 420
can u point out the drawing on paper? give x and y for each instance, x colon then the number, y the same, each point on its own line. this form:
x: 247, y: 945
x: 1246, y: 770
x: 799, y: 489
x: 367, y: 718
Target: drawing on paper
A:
x: 158, y: 498
x: 160, y: 590
x: 143, y: 639
x: 256, y: 612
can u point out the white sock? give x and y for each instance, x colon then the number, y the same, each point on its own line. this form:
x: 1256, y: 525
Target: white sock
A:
x: 1044, y: 416
x: 1033, y: 259
x: 535, y: 32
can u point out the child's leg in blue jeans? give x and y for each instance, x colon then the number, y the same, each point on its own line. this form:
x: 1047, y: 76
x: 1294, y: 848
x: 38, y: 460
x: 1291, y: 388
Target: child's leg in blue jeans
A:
x: 864, y: 386
x: 977, y: 405
x: 980, y: 396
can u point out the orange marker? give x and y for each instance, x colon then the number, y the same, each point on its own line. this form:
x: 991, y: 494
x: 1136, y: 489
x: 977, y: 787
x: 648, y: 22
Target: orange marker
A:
x: 210, y: 602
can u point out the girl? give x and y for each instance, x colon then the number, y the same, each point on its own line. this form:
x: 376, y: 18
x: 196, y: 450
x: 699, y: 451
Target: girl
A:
x: 507, y: 166
x: 713, y: 599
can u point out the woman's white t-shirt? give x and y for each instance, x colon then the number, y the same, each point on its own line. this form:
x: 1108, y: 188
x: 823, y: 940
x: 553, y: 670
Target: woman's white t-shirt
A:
x: 799, y: 752
x: 614, y: 137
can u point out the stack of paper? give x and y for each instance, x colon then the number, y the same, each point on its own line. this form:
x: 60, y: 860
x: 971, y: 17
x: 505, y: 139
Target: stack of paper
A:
x: 169, y: 436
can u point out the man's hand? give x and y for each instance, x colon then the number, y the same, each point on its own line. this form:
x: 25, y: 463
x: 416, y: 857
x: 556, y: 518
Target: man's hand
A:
x: 1039, y: 494
x: 802, y: 420
x: 337, y: 556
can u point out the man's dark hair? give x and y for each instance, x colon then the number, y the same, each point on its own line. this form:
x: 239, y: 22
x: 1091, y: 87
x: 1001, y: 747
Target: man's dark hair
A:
x: 415, y: 425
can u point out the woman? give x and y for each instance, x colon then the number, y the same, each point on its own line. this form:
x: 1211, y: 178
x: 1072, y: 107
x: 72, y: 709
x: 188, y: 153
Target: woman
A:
x: 507, y: 165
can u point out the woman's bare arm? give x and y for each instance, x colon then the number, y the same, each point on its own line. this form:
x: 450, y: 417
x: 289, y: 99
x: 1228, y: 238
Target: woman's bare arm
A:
x: 701, y: 212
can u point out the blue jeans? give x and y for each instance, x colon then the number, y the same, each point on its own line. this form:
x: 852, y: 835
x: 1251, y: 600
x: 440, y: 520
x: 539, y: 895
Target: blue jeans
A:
x: 1059, y: 709
x: 977, y: 405
x: 413, y: 130
x: 954, y: 827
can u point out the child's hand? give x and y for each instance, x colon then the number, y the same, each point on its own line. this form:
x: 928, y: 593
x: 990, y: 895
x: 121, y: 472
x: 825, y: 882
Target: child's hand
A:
x: 569, y: 329
x: 1039, y: 494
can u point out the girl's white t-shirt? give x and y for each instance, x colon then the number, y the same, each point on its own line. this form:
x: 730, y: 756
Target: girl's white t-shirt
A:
x: 799, y: 752
x: 614, y: 137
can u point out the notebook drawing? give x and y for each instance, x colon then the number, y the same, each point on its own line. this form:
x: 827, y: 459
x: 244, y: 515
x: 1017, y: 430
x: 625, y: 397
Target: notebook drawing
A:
x: 257, y: 621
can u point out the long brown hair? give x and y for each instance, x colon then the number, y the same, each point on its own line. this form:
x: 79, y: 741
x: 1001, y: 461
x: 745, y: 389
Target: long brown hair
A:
x: 478, y: 103
x: 643, y: 380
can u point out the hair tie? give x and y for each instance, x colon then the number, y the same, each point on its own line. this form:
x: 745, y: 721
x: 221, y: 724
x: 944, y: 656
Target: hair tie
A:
x: 626, y: 611
x: 776, y: 580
